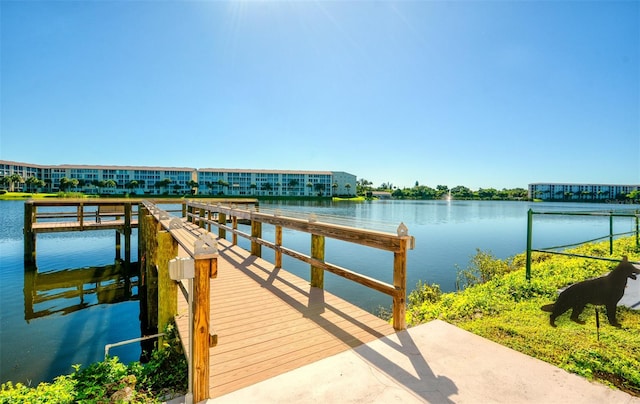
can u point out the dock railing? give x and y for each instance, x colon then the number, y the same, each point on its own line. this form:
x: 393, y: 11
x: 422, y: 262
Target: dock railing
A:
x: 218, y: 216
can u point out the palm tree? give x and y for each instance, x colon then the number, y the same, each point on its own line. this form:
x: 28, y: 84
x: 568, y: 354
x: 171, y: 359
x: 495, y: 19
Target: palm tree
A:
x: 131, y: 185
x: 32, y: 182
x: 65, y: 183
x: 110, y: 183
x: 193, y: 185
x: 319, y: 187
x: 15, y: 177
x: 348, y: 186
x: 253, y: 187
x: 309, y: 185
x: 334, y: 187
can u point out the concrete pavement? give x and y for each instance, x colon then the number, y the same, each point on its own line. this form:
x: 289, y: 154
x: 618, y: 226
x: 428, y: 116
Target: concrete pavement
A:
x: 435, y: 363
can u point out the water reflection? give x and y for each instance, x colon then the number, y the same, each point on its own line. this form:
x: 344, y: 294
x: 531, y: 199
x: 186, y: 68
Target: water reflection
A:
x: 69, y: 290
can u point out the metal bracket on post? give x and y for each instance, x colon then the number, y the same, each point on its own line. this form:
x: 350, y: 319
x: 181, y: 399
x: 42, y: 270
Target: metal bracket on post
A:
x: 205, y: 244
x: 184, y: 268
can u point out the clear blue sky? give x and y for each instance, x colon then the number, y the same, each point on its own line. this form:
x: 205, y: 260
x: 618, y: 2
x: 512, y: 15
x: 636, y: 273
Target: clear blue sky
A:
x: 476, y: 93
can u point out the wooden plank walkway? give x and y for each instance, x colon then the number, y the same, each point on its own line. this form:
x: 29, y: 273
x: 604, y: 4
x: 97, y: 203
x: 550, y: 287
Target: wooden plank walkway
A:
x: 52, y: 227
x: 269, y: 322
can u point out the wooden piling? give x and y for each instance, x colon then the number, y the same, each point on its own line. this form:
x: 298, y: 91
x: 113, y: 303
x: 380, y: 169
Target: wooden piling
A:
x: 167, y: 288
x: 118, y: 242
x: 127, y: 231
x: 29, y: 234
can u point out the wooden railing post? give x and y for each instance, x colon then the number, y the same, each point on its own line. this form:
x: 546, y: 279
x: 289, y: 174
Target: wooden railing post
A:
x: 234, y: 225
x: 167, y: 288
x: 278, y: 244
x: 317, y: 252
x: 400, y: 284
x: 222, y: 219
x: 201, y: 222
x: 204, y: 268
x: 256, y: 231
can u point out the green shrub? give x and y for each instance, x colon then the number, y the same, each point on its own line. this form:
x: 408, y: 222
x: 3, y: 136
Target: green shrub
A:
x: 482, y: 268
x: 62, y: 390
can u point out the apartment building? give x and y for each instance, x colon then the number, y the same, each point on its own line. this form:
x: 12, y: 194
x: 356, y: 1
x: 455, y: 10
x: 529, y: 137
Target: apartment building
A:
x: 181, y: 180
x: 596, y: 192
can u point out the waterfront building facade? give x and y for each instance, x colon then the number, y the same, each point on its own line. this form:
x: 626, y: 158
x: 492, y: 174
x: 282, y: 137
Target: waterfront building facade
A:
x: 580, y: 192
x: 140, y: 180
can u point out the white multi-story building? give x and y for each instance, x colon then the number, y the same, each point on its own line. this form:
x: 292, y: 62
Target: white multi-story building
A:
x: 584, y: 192
x: 222, y: 181
x: 181, y: 180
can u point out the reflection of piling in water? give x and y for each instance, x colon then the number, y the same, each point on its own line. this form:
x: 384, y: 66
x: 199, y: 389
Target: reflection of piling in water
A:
x: 70, y: 290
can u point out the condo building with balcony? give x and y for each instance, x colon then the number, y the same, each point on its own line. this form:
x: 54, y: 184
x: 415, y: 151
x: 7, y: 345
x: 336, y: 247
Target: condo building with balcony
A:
x: 142, y: 180
x: 579, y: 192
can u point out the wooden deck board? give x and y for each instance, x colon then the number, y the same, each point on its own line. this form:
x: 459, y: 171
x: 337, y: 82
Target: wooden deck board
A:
x: 51, y: 227
x: 269, y: 322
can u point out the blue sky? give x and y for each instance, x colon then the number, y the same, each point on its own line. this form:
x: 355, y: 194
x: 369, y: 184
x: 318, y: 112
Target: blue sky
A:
x: 476, y: 93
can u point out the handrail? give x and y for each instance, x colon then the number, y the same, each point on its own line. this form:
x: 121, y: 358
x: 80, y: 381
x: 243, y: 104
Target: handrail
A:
x: 202, y: 214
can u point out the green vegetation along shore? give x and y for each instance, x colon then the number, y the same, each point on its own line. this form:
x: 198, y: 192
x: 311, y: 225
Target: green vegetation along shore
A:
x: 498, y: 303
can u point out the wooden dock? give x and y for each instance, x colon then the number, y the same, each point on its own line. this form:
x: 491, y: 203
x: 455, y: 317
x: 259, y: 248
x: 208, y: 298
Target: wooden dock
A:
x: 269, y: 321
x: 250, y: 319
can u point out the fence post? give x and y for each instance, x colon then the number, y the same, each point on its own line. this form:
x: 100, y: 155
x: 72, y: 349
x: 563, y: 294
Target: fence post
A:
x: 317, y: 252
x: 400, y: 283
x: 529, y: 238
x: 637, y: 228
x: 611, y: 233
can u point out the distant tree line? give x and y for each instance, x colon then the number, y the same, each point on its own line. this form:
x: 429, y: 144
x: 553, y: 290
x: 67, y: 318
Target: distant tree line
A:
x: 365, y: 188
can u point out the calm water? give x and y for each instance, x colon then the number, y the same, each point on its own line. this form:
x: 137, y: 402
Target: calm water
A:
x: 40, y: 339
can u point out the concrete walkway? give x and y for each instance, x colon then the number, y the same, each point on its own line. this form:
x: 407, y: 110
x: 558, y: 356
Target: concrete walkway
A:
x: 435, y: 363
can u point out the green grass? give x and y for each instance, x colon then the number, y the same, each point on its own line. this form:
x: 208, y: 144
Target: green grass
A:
x: 352, y: 199
x: 506, y: 309
x: 26, y: 195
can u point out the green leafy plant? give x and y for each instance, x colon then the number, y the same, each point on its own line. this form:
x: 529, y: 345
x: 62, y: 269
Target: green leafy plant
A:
x: 112, y: 381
